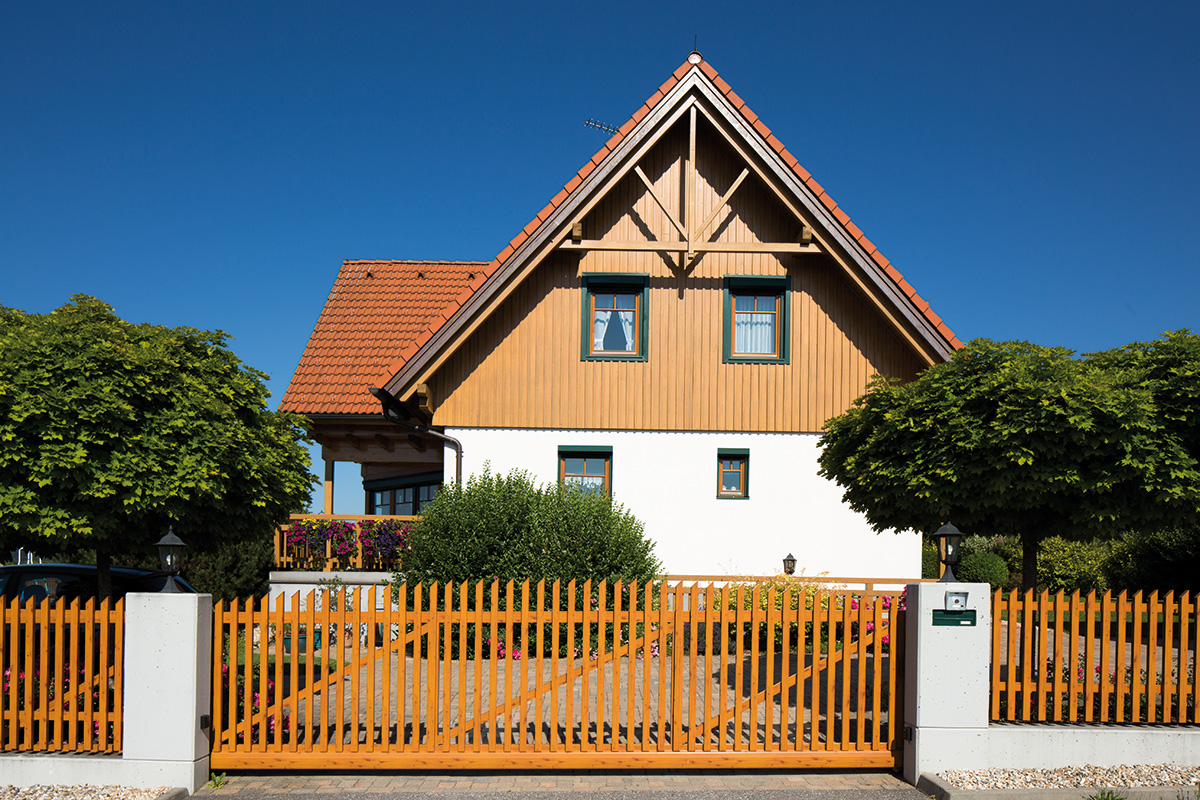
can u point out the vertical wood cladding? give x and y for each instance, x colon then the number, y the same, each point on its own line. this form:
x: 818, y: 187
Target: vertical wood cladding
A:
x: 522, y: 367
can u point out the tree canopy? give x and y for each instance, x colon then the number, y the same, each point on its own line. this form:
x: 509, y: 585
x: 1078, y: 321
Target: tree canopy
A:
x: 110, y: 431
x: 1015, y: 438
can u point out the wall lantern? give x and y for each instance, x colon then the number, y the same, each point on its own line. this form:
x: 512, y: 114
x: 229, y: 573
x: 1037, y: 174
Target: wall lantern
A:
x: 789, y: 564
x: 949, y: 540
x: 170, y: 557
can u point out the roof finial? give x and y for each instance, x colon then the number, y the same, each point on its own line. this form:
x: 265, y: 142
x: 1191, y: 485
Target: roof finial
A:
x: 694, y: 57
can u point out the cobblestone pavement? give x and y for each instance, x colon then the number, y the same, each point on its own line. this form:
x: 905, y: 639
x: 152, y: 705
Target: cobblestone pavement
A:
x: 674, y: 785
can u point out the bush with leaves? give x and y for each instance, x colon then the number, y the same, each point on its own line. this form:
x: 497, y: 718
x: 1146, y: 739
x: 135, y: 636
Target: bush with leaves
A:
x: 1162, y: 560
x: 929, y: 559
x: 983, y: 567
x: 1068, y: 565
x: 507, y: 527
x: 1008, y: 548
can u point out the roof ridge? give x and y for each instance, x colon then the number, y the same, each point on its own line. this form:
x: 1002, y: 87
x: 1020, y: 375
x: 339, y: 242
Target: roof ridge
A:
x: 569, y: 187
x: 407, y: 261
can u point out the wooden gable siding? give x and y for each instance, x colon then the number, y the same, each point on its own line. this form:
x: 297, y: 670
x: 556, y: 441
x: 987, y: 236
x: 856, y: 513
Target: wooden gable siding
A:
x: 522, y: 367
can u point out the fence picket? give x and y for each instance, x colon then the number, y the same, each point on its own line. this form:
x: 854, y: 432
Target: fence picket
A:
x: 1152, y: 660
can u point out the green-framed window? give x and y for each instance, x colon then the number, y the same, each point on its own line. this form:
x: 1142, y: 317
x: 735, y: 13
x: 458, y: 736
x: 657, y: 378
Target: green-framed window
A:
x: 587, y: 467
x: 406, y: 496
x: 755, y: 327
x: 615, y: 323
x: 733, y: 473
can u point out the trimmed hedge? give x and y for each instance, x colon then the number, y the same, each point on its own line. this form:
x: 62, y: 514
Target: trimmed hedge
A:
x: 982, y: 568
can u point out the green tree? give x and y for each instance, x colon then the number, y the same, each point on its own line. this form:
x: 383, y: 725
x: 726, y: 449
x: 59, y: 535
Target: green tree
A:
x: 110, y: 431
x: 1014, y: 438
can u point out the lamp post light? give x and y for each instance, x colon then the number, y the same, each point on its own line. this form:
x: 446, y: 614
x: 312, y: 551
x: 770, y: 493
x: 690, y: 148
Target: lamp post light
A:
x: 789, y: 564
x: 170, y: 557
x: 949, y: 540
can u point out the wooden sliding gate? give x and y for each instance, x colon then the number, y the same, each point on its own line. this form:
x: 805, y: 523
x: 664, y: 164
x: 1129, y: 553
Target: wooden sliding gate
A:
x: 575, y: 676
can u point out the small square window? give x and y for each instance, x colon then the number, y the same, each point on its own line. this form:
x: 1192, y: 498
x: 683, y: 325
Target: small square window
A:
x: 756, y: 327
x: 589, y: 470
x: 614, y: 317
x: 733, y: 473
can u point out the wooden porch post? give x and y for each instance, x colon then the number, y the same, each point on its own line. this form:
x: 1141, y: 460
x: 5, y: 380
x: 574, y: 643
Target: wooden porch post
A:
x: 328, y: 486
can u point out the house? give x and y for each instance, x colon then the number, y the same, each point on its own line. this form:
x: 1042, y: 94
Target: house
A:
x: 673, y: 329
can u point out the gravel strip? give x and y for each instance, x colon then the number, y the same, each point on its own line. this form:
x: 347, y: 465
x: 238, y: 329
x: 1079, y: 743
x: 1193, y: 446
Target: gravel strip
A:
x: 81, y: 791
x: 1072, y: 777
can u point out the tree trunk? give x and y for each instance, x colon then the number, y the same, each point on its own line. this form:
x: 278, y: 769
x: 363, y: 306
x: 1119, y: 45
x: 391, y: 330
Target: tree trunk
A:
x: 1031, y: 540
x: 103, y: 573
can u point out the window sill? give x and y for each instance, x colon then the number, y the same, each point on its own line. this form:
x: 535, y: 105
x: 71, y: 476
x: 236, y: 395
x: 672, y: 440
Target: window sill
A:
x: 754, y: 360
x: 609, y: 357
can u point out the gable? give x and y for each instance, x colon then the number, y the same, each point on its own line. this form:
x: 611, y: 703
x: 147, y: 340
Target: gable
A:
x: 693, y: 92
x: 527, y: 365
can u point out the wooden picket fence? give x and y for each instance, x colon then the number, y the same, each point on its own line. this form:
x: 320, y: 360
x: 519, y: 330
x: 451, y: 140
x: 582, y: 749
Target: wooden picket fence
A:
x: 62, y: 671
x: 1108, y: 658
x: 577, y: 676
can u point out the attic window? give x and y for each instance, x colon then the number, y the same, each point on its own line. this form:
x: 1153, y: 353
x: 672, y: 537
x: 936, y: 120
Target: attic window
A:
x: 614, y: 324
x: 755, y: 326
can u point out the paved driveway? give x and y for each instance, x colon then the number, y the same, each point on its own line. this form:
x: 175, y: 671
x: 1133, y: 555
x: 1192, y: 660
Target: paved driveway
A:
x: 630, y: 785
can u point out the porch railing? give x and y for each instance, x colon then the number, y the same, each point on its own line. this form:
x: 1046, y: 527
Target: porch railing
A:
x: 350, y: 551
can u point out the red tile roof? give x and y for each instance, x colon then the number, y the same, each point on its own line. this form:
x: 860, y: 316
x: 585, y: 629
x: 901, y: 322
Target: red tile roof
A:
x: 327, y: 385
x: 375, y: 310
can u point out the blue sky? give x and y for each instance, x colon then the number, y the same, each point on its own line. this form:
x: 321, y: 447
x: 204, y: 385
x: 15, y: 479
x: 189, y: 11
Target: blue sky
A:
x: 1033, y: 169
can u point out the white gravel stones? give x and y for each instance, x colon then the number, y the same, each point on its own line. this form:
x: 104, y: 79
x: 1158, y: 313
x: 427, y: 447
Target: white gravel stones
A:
x: 1072, y: 777
x: 81, y: 791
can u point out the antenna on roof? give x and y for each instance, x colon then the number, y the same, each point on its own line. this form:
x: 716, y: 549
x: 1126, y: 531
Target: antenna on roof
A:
x: 591, y: 123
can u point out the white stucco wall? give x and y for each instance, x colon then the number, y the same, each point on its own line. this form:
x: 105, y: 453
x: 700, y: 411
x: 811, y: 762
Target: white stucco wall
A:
x: 669, y: 481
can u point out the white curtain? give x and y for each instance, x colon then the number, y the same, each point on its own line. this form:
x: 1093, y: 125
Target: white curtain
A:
x: 589, y: 484
x: 627, y: 326
x: 599, y: 326
x: 754, y: 334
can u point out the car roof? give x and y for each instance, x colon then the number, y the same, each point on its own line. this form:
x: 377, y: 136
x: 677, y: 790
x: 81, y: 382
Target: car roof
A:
x: 61, y: 567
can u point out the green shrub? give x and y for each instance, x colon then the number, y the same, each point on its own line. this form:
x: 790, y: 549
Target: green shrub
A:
x: 508, y: 528
x: 1007, y: 547
x: 236, y: 569
x: 1070, y: 565
x: 1162, y: 560
x: 982, y: 567
x: 929, y: 559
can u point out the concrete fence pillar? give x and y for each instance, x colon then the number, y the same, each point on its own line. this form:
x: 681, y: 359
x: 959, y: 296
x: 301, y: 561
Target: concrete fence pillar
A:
x: 168, y: 684
x: 946, y: 681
